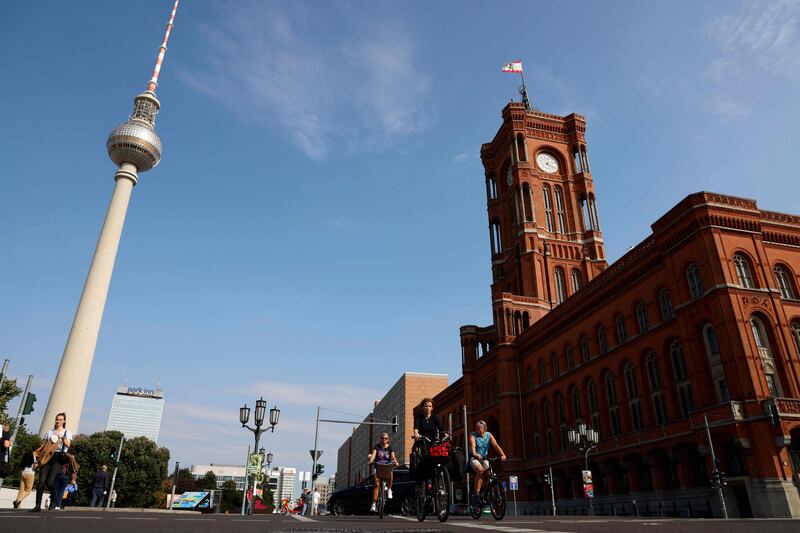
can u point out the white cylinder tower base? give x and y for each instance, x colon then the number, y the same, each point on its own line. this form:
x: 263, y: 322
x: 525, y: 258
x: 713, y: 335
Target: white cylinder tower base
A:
x: 69, y: 388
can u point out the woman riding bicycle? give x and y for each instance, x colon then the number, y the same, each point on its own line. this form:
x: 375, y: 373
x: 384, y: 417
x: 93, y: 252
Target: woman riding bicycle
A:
x: 382, y: 454
x: 479, y: 442
x: 427, y: 424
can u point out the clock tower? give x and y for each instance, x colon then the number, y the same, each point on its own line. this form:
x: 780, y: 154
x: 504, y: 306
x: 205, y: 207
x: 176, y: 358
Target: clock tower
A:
x: 544, y: 227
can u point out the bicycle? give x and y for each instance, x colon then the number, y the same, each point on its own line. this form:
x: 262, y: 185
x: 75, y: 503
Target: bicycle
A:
x: 492, y: 492
x: 383, y: 472
x: 435, y: 493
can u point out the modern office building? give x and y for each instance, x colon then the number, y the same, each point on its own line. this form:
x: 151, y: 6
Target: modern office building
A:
x: 400, y: 401
x: 325, y: 488
x: 701, y: 320
x: 286, y: 483
x: 136, y: 412
x: 223, y: 472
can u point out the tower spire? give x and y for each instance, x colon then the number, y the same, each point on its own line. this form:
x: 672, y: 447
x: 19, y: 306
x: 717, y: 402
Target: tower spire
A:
x: 162, y: 50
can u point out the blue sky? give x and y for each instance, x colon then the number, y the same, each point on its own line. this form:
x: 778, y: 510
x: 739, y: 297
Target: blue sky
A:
x: 317, y: 225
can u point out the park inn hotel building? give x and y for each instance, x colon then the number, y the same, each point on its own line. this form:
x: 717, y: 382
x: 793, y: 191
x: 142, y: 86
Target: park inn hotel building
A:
x: 700, y: 318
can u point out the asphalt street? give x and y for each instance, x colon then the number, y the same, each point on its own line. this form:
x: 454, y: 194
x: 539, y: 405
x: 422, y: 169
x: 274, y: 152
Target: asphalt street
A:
x: 121, y: 522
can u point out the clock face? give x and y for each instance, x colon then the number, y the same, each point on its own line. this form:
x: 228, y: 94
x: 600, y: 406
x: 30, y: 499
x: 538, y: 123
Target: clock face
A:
x: 509, y: 176
x: 546, y: 162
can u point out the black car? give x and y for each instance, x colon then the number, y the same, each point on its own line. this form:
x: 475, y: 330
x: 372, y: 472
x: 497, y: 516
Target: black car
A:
x: 358, y: 498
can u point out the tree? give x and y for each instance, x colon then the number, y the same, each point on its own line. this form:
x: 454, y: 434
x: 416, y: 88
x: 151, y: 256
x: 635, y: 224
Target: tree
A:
x: 207, y: 482
x: 8, y: 391
x: 231, y: 500
x: 186, y: 483
x: 141, y: 470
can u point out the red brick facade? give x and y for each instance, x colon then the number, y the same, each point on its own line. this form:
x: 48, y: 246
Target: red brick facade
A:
x: 701, y: 318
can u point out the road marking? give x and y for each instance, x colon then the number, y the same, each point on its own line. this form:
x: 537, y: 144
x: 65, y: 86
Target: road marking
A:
x: 195, y: 519
x: 404, y: 518
x: 81, y: 517
x: 134, y: 518
x: 302, y: 518
x: 499, y: 528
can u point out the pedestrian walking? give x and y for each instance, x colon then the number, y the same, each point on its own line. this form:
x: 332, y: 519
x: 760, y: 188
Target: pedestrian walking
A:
x: 5, y: 446
x: 99, y: 487
x: 315, y: 502
x: 51, y: 458
x: 60, y: 488
x: 113, y: 498
x: 71, y: 494
x: 26, y: 478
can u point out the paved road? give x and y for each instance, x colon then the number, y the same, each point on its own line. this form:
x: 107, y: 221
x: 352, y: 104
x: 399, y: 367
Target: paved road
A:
x: 122, y: 522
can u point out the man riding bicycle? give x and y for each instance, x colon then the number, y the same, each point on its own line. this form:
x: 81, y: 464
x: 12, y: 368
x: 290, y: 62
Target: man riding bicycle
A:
x: 382, y: 454
x: 479, y: 441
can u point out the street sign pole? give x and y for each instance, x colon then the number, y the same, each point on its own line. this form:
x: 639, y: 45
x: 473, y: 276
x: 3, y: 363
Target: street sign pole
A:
x: 513, y: 486
x: 552, y: 491
x: 114, y: 475
x: 246, y: 479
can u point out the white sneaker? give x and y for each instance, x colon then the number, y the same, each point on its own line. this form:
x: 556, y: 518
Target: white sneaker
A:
x: 373, y: 509
x: 389, y: 493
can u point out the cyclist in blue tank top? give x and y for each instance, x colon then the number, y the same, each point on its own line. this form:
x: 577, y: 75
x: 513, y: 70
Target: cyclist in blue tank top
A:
x: 479, y: 441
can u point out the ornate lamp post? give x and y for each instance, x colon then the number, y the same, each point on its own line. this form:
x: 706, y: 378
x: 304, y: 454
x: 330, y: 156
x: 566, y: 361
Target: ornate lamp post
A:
x: 258, y: 419
x: 584, y: 439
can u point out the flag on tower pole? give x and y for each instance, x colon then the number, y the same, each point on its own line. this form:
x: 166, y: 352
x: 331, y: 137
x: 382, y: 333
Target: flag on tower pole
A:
x: 514, y: 66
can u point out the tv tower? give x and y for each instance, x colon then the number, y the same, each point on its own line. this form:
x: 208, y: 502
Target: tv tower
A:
x: 134, y: 147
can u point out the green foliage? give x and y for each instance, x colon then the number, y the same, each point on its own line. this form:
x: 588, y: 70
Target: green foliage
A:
x: 186, y: 483
x: 207, y: 482
x: 231, y: 498
x: 8, y: 391
x: 141, y: 469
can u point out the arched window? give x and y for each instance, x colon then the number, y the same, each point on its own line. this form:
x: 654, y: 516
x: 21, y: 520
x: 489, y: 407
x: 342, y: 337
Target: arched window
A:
x: 656, y: 393
x: 622, y: 335
x: 585, y: 355
x: 665, y: 302
x: 784, y: 282
x: 641, y: 317
x: 715, y: 363
x: 542, y: 373
x: 633, y: 396
x: 497, y: 238
x: 613, y: 409
x: 681, y: 374
x: 527, y: 202
x: 591, y: 395
x: 576, y: 403
x: 570, y: 359
x: 530, y: 378
x: 522, y: 153
x: 562, y: 221
x: 576, y: 156
x: 537, y: 438
x: 695, y: 281
x: 796, y: 336
x: 554, y: 364
x: 561, y: 413
x: 561, y: 286
x: 491, y: 187
x: 601, y: 339
x: 576, y: 280
x: 526, y: 321
x: 548, y: 208
x: 743, y: 273
x: 765, y: 354
x: 548, y: 424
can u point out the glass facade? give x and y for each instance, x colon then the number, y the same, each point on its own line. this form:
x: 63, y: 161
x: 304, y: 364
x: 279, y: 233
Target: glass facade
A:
x: 136, y: 412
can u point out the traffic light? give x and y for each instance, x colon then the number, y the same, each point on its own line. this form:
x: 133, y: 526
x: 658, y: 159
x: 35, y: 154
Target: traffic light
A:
x: 30, y: 399
x: 722, y: 480
x: 113, y: 454
x: 547, y: 478
x: 320, y: 469
x: 395, y: 425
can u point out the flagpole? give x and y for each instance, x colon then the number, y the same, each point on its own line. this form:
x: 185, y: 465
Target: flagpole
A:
x: 524, y: 91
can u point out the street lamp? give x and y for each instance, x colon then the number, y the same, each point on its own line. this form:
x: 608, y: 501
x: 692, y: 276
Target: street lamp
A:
x: 269, y: 459
x: 258, y: 419
x: 584, y: 439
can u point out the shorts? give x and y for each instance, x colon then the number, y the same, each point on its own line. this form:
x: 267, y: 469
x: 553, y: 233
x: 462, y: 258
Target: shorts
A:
x: 474, y: 463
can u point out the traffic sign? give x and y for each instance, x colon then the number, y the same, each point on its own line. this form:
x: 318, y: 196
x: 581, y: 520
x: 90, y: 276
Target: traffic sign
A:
x: 311, y: 453
x: 513, y: 483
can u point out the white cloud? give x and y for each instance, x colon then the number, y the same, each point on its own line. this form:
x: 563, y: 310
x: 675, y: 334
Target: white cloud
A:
x: 364, y: 91
x: 460, y: 157
x: 764, y: 33
x: 726, y: 107
x: 725, y: 68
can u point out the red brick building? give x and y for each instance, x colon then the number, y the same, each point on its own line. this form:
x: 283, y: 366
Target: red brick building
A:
x: 701, y: 318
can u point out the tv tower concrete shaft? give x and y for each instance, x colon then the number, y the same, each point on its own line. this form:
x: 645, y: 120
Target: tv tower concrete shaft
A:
x: 135, y: 147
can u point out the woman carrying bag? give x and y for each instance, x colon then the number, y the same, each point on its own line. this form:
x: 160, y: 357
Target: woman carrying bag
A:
x: 52, y: 457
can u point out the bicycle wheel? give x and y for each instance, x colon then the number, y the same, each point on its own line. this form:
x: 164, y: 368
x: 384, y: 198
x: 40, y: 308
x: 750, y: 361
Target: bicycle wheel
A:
x: 382, y: 499
x: 441, y: 499
x: 419, y: 500
x: 497, y: 499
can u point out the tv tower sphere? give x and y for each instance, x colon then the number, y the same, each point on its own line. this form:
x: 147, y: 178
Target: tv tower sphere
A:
x: 136, y: 141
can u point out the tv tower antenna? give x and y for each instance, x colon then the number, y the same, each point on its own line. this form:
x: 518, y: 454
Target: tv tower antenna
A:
x: 134, y: 147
